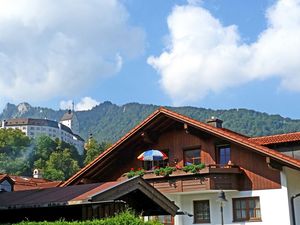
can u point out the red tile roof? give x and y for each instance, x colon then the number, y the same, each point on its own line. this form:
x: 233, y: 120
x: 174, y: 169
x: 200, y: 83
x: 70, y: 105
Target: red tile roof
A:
x: 55, y: 195
x: 100, y: 188
x: 219, y: 132
x: 277, y: 139
x: 28, y: 183
x: 85, y: 194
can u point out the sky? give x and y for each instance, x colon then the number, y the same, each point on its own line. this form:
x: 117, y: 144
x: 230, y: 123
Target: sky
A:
x: 213, y: 54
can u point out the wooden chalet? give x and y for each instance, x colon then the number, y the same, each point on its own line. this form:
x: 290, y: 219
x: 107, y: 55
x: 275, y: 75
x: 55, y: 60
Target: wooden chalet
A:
x: 258, y: 181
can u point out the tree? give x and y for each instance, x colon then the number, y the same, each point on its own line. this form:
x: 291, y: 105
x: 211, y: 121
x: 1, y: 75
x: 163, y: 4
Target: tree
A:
x: 58, y: 159
x: 60, y: 145
x: 44, y: 145
x: 94, y: 149
x: 60, y: 165
x: 13, y: 142
x: 10, y: 165
x: 14, y: 145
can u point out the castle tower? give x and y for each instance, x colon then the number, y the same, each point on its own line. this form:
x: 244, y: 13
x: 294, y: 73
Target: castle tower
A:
x: 70, y: 120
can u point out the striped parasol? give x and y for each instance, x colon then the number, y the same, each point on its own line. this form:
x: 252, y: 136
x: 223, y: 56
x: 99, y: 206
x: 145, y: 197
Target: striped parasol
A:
x: 152, y: 155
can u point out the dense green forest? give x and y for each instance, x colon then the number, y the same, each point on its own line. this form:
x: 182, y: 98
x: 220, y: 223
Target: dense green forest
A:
x: 108, y: 122
x: 58, y: 160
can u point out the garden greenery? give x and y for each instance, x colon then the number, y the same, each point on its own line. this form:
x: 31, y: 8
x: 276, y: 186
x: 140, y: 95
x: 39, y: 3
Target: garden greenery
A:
x: 124, y: 218
x: 133, y: 173
x: 193, y: 168
x: 164, y: 171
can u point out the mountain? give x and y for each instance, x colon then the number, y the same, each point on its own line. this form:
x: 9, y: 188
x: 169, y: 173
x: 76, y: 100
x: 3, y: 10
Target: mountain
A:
x: 108, y: 122
x: 26, y: 110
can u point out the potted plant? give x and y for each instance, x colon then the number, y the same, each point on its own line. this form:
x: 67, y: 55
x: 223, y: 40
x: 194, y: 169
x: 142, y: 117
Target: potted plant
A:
x: 133, y: 173
x: 193, y: 168
x: 165, y: 171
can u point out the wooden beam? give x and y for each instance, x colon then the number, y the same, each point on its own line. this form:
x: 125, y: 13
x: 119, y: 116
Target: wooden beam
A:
x: 163, y: 125
x: 186, y: 128
x: 86, y: 180
x: 146, y: 138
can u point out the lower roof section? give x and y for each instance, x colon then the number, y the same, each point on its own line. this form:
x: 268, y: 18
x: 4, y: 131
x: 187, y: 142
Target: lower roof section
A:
x: 134, y: 192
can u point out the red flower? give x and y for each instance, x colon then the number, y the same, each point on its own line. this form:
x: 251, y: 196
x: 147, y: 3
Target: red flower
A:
x: 139, y: 168
x: 132, y: 169
x: 178, y: 167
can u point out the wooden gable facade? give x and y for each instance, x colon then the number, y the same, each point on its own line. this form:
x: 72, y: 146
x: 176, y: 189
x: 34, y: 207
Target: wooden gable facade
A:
x: 250, y: 165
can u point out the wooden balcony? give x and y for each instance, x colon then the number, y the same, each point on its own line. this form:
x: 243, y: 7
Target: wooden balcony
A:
x: 212, y: 177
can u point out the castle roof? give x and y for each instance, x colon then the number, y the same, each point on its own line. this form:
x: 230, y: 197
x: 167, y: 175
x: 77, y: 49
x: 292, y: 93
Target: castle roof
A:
x: 68, y: 115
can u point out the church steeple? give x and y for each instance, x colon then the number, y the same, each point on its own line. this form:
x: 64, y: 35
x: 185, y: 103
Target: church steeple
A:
x: 70, y: 119
x: 73, y: 106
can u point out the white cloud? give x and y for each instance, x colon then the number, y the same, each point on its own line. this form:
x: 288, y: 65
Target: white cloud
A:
x: 204, y: 56
x: 66, y: 104
x: 86, y: 103
x: 51, y: 48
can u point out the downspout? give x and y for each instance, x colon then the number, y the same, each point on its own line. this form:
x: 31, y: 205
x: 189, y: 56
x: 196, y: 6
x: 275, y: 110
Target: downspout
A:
x: 293, y: 208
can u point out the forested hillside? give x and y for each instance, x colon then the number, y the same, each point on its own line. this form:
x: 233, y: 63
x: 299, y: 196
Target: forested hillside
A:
x: 108, y: 122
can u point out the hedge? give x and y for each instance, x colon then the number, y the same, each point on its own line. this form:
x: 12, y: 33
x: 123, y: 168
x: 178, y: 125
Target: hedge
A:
x: 124, y: 218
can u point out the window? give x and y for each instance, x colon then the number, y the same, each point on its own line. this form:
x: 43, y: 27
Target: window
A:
x: 201, y: 211
x: 192, y: 156
x: 224, y: 154
x: 246, y: 209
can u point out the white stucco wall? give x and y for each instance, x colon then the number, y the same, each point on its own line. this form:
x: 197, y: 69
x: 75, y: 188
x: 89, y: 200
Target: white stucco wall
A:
x: 273, y: 203
x: 293, y: 184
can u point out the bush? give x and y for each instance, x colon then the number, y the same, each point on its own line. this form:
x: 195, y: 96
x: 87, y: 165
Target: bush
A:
x: 193, y: 168
x: 124, y: 218
x: 133, y: 173
x: 166, y: 171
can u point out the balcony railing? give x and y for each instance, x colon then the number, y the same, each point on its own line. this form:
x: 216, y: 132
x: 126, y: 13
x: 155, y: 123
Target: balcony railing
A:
x: 212, y: 177
x: 209, y: 169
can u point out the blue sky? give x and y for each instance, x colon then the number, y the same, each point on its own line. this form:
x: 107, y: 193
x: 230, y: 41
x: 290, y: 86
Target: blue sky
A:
x: 213, y: 54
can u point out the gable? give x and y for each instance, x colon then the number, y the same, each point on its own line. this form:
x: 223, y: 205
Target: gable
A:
x: 6, y: 186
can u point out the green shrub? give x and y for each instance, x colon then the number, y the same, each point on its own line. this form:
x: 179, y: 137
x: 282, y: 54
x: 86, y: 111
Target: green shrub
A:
x: 166, y: 171
x: 193, y: 168
x: 133, y: 173
x: 125, y: 218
